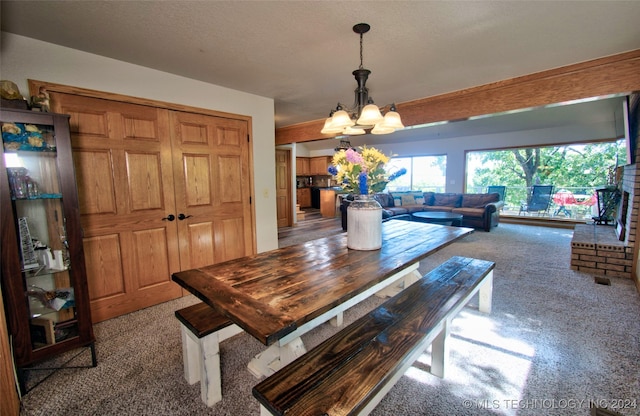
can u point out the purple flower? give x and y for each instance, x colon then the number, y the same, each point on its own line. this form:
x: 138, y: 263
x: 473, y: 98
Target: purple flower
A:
x: 333, y: 170
x: 362, y: 179
x: 354, y: 157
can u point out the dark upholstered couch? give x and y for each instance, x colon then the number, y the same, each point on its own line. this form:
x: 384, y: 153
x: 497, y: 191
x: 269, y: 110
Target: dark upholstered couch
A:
x: 478, y: 210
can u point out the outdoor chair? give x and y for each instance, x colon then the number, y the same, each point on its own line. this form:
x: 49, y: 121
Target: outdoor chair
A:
x: 500, y: 190
x: 539, y: 201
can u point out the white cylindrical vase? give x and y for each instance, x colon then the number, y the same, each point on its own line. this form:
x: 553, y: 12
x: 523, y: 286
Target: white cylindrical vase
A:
x: 364, y: 223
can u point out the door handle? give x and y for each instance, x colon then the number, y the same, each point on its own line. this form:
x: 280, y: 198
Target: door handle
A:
x: 169, y: 217
x: 181, y: 216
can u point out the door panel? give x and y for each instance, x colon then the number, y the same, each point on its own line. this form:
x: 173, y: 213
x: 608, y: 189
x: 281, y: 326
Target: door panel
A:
x: 197, y: 180
x: 151, y: 254
x: 145, y: 181
x: 104, y: 267
x: 200, y: 238
x: 95, y: 181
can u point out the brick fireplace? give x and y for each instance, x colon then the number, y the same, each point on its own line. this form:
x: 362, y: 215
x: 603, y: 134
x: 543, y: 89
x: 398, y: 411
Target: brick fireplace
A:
x: 608, y: 250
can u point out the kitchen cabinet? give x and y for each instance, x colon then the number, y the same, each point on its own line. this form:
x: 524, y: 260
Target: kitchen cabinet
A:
x: 302, y: 166
x: 319, y: 165
x: 303, y: 196
x: 44, y: 281
x: 328, y: 203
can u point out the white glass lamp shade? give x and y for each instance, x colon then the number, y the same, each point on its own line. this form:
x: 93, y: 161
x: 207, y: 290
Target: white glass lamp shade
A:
x: 392, y: 120
x: 341, y: 120
x: 328, y: 129
x: 382, y: 129
x: 370, y: 115
x: 352, y: 131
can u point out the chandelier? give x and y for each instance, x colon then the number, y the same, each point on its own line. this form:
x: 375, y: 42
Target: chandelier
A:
x: 364, y: 114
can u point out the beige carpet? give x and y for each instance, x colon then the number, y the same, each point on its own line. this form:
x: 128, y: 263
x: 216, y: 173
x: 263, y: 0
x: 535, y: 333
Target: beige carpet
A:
x: 555, y: 342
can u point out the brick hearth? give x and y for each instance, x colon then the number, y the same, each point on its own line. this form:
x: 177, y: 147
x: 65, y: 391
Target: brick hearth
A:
x: 595, y: 249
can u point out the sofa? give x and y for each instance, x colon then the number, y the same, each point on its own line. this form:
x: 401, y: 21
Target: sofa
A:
x: 478, y: 210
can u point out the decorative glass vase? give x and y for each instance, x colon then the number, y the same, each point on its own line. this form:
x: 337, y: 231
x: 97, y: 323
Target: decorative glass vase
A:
x: 364, y: 223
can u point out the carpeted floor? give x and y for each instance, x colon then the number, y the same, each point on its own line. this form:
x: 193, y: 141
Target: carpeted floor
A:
x: 554, y: 343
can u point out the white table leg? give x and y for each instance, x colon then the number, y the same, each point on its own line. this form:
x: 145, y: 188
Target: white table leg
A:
x: 211, y: 379
x: 275, y: 357
x: 337, y: 320
x: 485, y: 294
x: 404, y: 279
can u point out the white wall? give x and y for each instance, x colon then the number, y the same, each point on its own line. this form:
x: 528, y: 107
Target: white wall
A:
x: 24, y: 58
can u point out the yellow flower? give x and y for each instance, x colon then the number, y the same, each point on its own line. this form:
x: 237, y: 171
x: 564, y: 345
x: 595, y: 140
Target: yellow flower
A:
x: 363, y: 172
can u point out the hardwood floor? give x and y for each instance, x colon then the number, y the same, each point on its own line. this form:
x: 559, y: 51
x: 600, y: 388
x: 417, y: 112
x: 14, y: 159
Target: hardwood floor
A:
x: 313, y: 226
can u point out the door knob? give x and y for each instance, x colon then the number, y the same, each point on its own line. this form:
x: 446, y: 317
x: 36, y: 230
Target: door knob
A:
x: 181, y: 216
x: 169, y: 217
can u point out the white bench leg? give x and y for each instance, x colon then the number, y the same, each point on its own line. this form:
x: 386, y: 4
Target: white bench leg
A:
x: 264, y: 411
x: 485, y: 294
x: 190, y: 355
x: 201, y: 361
x: 440, y: 351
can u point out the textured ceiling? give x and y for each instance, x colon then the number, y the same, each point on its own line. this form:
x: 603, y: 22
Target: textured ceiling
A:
x: 302, y: 53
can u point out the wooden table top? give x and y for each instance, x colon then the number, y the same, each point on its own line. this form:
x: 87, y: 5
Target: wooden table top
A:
x: 270, y: 294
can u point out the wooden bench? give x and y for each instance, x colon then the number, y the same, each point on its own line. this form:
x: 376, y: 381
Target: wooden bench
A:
x: 351, y: 372
x: 203, y: 328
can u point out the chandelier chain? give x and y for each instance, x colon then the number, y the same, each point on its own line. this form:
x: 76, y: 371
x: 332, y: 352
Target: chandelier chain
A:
x: 360, y: 51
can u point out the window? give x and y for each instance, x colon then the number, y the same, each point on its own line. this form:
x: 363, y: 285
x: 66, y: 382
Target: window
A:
x: 424, y: 173
x: 576, y: 169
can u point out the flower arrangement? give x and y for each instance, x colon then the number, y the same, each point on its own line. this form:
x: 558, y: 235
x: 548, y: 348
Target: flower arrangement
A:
x: 362, y: 172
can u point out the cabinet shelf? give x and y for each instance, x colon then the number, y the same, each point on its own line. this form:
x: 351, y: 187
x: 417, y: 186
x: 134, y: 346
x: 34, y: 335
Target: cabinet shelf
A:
x: 42, y: 271
x: 35, y: 150
x: 39, y: 197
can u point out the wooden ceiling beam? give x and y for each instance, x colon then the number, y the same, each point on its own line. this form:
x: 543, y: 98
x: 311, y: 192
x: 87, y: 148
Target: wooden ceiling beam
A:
x: 600, y: 77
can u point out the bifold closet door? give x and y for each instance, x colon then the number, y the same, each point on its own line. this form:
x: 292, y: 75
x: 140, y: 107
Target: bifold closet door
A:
x: 160, y: 191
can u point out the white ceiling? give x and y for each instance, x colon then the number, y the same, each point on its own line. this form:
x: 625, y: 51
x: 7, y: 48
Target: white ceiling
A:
x: 302, y: 53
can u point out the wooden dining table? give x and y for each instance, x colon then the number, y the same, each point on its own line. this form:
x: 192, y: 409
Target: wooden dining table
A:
x: 278, y: 295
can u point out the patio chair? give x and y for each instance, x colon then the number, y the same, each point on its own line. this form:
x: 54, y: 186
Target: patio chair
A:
x: 494, y: 189
x: 539, y: 201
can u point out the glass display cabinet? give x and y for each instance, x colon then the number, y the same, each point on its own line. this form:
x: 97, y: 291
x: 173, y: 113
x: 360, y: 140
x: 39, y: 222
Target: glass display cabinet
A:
x: 44, y: 285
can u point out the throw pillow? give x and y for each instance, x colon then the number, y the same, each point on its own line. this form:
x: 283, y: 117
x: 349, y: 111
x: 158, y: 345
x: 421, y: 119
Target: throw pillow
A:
x: 408, y: 200
x: 397, y: 201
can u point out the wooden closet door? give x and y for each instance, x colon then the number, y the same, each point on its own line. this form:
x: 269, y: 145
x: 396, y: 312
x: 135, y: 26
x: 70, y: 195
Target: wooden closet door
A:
x: 122, y: 156
x: 212, y: 188
x: 283, y: 188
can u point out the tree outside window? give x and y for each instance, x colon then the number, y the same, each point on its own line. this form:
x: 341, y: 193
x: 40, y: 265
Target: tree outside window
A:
x: 424, y: 173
